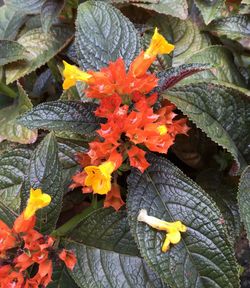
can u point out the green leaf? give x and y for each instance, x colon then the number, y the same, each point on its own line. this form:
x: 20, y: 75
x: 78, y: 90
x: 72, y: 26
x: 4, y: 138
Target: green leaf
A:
x: 68, y: 116
x: 49, y: 12
x: 26, y: 6
x: 10, y: 22
x: 45, y: 172
x: 9, y: 128
x: 41, y: 47
x: 103, y: 34
x: 11, y: 51
x: 221, y: 111
x: 222, y: 60
x: 244, y: 199
x: 203, y: 258
x: 210, y: 10
x: 177, y: 8
x: 13, y: 168
x: 7, y: 215
x: 61, y: 278
x: 107, y: 255
x: 187, y: 38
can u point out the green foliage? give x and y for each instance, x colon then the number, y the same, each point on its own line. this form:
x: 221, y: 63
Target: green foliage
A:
x: 10, y: 51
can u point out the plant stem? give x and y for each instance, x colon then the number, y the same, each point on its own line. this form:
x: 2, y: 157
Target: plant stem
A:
x: 7, y: 90
x: 73, y: 222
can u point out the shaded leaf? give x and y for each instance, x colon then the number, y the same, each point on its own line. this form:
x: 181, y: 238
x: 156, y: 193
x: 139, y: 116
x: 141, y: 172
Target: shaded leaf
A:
x: 41, y: 47
x: 177, y: 8
x: 203, y: 257
x: 13, y: 167
x: 45, y: 172
x: 107, y: 255
x: 11, y: 51
x: 221, y: 111
x: 103, y: 34
x: 68, y: 116
x: 49, y: 12
x: 26, y: 6
x: 9, y: 128
x: 210, y: 10
x: 244, y: 199
x: 10, y: 22
x: 7, y: 215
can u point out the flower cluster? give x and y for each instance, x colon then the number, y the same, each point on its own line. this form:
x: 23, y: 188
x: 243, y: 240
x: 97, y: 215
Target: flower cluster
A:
x: 25, y: 254
x: 127, y: 103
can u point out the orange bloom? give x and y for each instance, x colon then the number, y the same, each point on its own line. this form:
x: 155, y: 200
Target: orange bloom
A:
x: 68, y: 258
x: 7, y: 239
x: 137, y: 158
x: 113, y: 198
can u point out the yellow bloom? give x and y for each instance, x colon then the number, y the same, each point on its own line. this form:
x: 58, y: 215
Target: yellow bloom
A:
x: 173, y: 229
x: 99, y: 177
x: 158, y: 45
x: 37, y: 200
x: 72, y: 74
x: 162, y: 129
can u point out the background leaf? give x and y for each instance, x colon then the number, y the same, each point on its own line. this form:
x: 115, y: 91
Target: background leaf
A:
x: 107, y: 255
x: 45, y: 172
x: 41, y: 47
x: 204, y: 257
x: 244, y: 199
x: 9, y: 128
x: 220, y: 111
x: 27, y: 6
x: 69, y: 116
x: 103, y: 34
x: 11, y: 51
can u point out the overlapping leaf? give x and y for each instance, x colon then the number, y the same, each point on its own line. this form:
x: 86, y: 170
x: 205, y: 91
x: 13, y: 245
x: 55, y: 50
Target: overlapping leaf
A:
x: 103, y: 34
x: 45, y: 172
x: 107, y: 255
x: 221, y: 111
x: 11, y: 51
x: 203, y: 258
x: 26, y: 6
x: 244, y: 199
x: 68, y: 116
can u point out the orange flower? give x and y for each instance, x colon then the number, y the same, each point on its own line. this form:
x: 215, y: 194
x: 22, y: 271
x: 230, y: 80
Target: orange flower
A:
x: 137, y: 158
x: 7, y: 239
x: 68, y: 258
x: 113, y: 198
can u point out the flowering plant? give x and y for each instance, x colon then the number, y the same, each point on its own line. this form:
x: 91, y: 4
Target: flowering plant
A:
x: 123, y: 155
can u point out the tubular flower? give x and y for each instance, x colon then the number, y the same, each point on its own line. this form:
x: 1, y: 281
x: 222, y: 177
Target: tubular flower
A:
x: 113, y: 198
x: 173, y: 229
x: 36, y: 201
x: 22, y: 247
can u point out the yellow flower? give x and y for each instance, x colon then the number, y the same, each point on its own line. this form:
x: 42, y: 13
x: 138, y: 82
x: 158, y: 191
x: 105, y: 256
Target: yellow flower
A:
x: 99, y: 177
x: 158, y: 45
x: 173, y: 229
x: 72, y: 74
x: 162, y: 129
x: 37, y: 200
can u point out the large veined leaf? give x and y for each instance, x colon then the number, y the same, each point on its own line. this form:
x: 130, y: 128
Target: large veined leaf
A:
x: 107, y: 255
x: 26, y: 6
x: 9, y: 128
x: 210, y: 10
x: 13, y: 167
x: 7, y: 215
x: 184, y: 34
x: 10, y: 22
x: 224, y: 68
x: 10, y: 51
x: 244, y: 199
x: 103, y: 34
x: 203, y: 258
x: 68, y: 116
x: 177, y: 8
x: 221, y: 111
x: 45, y: 172
x: 41, y: 47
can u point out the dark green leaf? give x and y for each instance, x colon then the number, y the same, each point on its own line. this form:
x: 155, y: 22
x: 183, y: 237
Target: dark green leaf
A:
x: 41, y: 47
x: 13, y: 167
x: 11, y: 51
x: 203, y: 258
x: 244, y: 199
x: 7, y: 215
x: 103, y: 34
x: 68, y: 116
x: 221, y: 111
x: 107, y: 255
x: 26, y: 6
x: 49, y: 12
x: 210, y: 9
x: 10, y: 22
x: 45, y: 172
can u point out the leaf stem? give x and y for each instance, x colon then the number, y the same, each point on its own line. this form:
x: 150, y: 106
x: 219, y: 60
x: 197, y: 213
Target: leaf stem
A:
x: 7, y: 90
